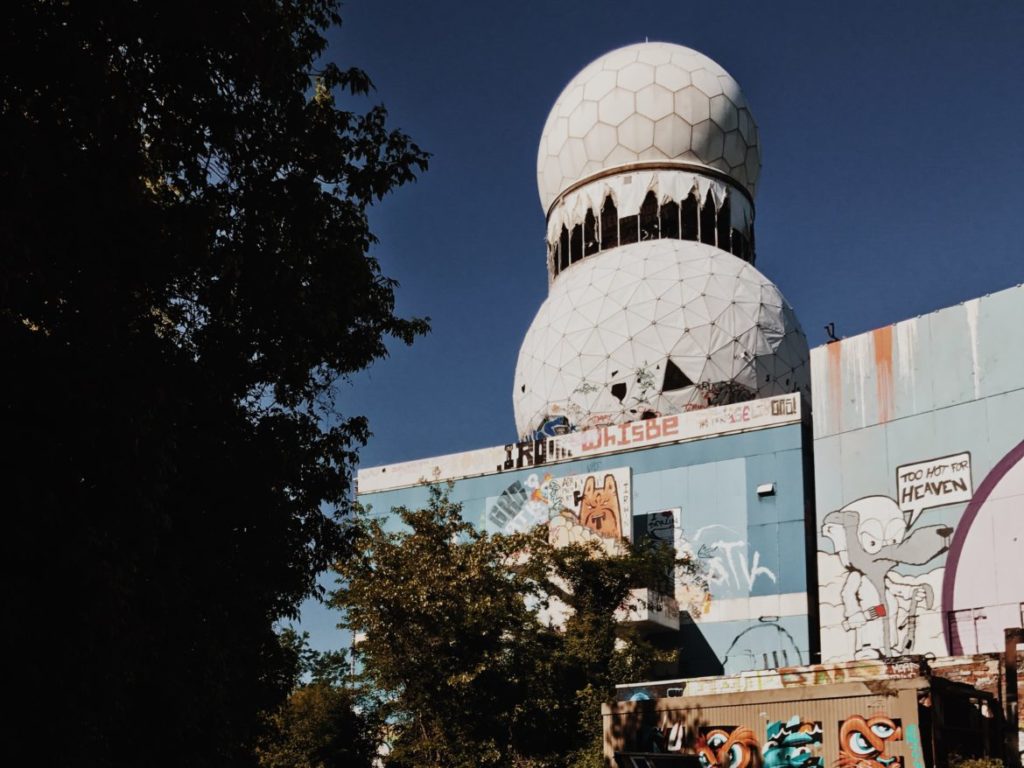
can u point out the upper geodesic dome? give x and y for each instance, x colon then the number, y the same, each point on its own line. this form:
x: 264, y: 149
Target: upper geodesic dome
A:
x: 655, y: 328
x: 647, y: 102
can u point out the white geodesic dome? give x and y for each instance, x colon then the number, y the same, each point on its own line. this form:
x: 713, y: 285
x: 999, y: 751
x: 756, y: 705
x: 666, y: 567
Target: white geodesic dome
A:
x: 647, y: 102
x: 654, y: 328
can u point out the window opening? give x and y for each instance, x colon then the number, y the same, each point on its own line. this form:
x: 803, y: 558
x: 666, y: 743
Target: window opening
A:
x: 674, y: 378
x: 576, y: 244
x: 590, y: 244
x: 629, y: 230
x: 619, y: 391
x: 689, y: 213
x: 724, y: 220
x: 670, y: 220
x: 649, y: 218
x: 563, y: 249
x: 740, y: 246
x: 553, y: 251
x: 707, y: 220
x: 609, y: 224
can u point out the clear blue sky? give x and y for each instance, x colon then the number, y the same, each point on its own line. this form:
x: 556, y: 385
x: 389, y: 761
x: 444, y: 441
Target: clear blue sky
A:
x: 892, y: 138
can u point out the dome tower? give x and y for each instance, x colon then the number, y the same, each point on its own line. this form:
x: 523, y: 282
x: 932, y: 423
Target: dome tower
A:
x: 647, y: 169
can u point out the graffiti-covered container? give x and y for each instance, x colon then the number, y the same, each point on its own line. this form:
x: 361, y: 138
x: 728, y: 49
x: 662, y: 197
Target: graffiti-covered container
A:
x: 869, y: 714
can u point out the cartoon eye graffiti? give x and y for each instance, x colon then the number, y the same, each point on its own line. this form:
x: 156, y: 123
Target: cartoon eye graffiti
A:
x: 717, y: 738
x: 883, y: 730
x: 864, y: 743
x: 704, y: 760
x: 735, y: 756
x: 860, y: 745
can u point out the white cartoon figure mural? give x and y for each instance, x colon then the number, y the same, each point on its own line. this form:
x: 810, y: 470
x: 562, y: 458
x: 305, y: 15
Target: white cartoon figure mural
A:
x: 881, y: 605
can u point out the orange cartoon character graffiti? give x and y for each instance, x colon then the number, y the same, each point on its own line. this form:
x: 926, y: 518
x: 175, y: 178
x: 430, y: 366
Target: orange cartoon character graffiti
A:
x: 728, y: 747
x: 865, y: 743
x: 599, y: 507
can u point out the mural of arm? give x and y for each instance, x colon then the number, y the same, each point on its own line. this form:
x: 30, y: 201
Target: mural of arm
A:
x: 853, y: 616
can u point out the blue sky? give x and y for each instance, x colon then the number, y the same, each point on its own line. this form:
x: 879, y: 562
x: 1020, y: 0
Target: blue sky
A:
x: 892, y: 138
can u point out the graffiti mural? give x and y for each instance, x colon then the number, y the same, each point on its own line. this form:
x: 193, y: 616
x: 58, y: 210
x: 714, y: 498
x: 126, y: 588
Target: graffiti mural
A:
x: 793, y: 744
x: 728, y: 559
x: 728, y: 746
x: 884, y: 575
x: 598, y: 502
x: 865, y: 743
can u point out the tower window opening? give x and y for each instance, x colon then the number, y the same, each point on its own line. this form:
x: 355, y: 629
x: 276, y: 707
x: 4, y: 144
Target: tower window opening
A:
x: 689, y: 214
x: 553, y: 257
x: 670, y: 220
x: 674, y: 378
x: 563, y: 249
x: 629, y: 230
x: 740, y: 245
x: 609, y: 224
x: 590, y: 243
x: 649, y: 218
x: 576, y: 244
x: 708, y: 220
x: 724, y: 222
x: 619, y: 391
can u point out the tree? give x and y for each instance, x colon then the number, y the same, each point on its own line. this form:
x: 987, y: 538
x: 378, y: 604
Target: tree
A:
x: 455, y: 649
x: 185, y: 278
x: 321, y: 724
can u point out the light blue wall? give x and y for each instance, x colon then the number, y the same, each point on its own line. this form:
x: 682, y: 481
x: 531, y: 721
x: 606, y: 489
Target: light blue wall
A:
x: 753, y: 548
x: 933, y: 386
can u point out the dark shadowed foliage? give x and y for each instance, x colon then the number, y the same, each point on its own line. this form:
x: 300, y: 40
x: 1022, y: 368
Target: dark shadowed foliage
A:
x: 185, y: 277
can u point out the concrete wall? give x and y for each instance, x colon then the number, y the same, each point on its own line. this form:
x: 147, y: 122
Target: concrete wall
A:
x: 752, y: 549
x: 919, y: 477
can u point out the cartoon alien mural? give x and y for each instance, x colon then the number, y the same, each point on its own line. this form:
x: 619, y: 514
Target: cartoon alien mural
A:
x: 880, y: 607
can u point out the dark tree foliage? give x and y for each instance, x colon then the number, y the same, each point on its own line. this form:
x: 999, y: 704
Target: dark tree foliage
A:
x: 185, y: 277
x: 322, y: 724
x: 466, y: 670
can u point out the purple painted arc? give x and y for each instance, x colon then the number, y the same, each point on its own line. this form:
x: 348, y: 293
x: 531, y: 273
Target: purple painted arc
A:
x: 963, y: 529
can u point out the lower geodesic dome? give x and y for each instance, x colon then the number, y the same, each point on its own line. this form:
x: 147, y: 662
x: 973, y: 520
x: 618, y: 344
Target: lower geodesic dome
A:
x: 655, y: 328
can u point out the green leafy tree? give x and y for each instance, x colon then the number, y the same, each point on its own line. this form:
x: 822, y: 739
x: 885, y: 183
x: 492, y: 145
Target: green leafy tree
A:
x: 322, y: 724
x: 186, y: 275
x: 454, y: 644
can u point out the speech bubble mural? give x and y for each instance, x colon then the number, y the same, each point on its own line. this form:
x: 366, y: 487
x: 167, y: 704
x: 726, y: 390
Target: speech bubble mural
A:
x: 934, y: 483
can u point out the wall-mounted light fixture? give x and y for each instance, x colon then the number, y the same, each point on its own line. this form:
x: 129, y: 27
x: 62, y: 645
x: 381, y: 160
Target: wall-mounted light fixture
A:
x: 766, y: 489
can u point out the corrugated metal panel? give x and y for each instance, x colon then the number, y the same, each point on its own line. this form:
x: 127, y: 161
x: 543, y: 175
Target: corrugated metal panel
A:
x: 682, y: 720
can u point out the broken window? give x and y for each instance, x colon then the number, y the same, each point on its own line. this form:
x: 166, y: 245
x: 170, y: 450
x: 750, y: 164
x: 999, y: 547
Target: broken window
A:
x: 590, y: 244
x: 609, y: 224
x: 670, y: 220
x: 707, y: 220
x: 689, y: 213
x: 576, y: 244
x: 649, y: 218
x: 724, y: 220
x: 563, y: 249
x: 674, y: 378
x: 619, y: 391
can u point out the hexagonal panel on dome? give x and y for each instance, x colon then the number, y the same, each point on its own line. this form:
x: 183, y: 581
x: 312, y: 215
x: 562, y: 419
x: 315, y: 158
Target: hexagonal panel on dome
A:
x: 654, y: 328
x: 656, y: 81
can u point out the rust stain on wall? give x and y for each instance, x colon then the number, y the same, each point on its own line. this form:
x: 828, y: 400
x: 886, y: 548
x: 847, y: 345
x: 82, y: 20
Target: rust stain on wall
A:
x: 882, y: 338
x: 835, y: 382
